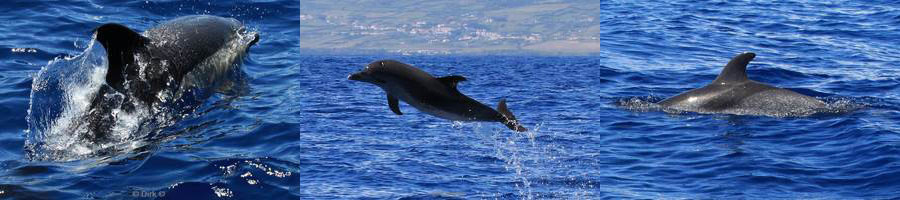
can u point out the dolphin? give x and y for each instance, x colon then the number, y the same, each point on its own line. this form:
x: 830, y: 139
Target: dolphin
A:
x: 436, y: 96
x: 148, y: 69
x: 733, y: 93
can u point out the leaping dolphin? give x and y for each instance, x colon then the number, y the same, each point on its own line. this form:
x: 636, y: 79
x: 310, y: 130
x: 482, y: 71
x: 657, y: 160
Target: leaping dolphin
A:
x: 733, y: 93
x: 435, y: 96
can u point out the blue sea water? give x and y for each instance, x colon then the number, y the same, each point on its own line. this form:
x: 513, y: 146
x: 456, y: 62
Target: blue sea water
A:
x: 582, y: 75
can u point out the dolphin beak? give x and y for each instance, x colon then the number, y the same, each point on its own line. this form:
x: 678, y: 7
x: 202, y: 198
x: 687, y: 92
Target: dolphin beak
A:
x: 355, y: 77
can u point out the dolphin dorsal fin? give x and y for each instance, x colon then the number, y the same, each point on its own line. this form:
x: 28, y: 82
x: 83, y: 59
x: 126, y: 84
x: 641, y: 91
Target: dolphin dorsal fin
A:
x: 120, y: 43
x: 736, y: 69
x: 451, y: 81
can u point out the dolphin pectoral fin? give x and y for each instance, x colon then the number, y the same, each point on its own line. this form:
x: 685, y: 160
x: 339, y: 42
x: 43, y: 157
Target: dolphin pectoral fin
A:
x: 736, y: 69
x: 120, y: 43
x: 508, y: 118
x: 451, y: 81
x: 394, y: 104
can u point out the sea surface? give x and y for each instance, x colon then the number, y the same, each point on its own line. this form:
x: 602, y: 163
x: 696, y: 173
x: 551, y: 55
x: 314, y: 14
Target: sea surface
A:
x: 583, y: 76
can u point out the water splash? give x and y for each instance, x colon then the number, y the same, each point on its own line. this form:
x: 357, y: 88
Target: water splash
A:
x: 530, y: 161
x: 61, y: 96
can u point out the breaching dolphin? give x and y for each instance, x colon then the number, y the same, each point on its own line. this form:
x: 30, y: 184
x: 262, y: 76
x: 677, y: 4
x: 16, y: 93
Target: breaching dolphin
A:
x: 184, y: 53
x: 733, y: 93
x: 435, y: 96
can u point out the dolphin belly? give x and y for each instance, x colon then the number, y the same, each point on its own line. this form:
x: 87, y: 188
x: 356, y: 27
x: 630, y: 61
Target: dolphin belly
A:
x: 441, y: 113
x: 460, y: 111
x: 427, y: 107
x: 455, y: 108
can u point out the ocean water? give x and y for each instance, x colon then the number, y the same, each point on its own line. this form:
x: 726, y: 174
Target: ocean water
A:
x: 583, y: 76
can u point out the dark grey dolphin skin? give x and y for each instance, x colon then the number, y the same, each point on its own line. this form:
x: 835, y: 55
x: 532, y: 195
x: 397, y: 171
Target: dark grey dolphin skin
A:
x: 733, y: 93
x: 184, y: 51
x: 435, y: 96
x: 169, y: 52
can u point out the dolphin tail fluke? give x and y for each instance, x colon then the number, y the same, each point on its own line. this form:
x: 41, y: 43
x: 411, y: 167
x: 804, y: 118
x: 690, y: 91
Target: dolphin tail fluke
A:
x: 509, y: 119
